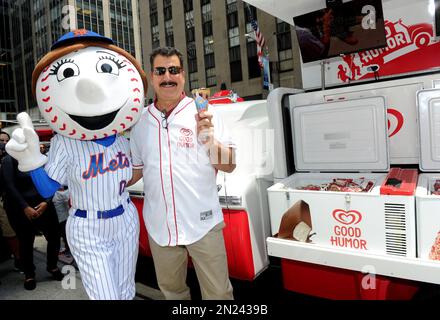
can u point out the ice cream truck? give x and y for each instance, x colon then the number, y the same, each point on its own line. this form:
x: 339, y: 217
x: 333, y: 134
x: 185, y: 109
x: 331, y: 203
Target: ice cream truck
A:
x: 350, y: 215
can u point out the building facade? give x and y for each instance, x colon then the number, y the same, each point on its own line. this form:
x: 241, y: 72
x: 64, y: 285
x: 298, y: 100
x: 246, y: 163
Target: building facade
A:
x: 218, y: 43
x: 34, y: 25
x: 215, y: 36
x: 7, y: 98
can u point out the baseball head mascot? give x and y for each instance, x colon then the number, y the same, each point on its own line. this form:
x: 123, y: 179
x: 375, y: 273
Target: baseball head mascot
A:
x: 89, y: 91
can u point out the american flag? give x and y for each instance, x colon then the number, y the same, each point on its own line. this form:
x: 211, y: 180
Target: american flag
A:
x: 258, y: 37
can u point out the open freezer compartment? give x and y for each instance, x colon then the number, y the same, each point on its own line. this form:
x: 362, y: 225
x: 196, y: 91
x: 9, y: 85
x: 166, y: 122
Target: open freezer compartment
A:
x: 428, y: 187
x: 341, y: 219
x: 338, y: 208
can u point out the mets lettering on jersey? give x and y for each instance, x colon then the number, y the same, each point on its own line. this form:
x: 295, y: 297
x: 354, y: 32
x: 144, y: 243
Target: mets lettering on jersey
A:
x: 97, y: 165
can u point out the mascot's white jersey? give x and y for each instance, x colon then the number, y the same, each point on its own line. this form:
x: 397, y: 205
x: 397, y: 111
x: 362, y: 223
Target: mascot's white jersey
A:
x: 106, y: 249
x: 96, y: 175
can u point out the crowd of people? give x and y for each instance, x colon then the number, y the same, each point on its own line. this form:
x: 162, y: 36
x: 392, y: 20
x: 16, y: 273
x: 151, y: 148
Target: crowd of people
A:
x: 181, y: 209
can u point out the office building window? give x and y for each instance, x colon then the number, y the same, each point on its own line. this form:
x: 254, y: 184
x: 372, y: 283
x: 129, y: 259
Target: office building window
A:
x: 254, y: 69
x: 189, y: 19
x: 284, y: 43
x: 168, y: 17
x: 190, y: 35
x: 167, y: 10
x: 235, y: 64
x: 209, y: 61
x: 233, y: 41
x: 211, y: 80
x: 208, y: 43
x: 155, y: 40
x: 154, y: 25
x: 206, y: 12
x: 121, y: 23
x: 231, y: 6
x: 193, y: 81
x: 191, y: 44
x: 234, y: 37
x: 192, y: 64
x: 169, y: 33
x: 188, y: 5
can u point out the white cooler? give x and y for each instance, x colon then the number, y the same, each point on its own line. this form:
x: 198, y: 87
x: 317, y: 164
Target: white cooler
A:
x: 428, y: 204
x: 346, y: 140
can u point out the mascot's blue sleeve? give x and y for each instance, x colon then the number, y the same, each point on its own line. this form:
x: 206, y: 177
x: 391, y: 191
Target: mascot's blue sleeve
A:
x: 44, y: 184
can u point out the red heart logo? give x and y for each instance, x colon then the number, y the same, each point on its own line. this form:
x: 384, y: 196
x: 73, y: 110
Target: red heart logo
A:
x: 186, y: 132
x: 347, y: 217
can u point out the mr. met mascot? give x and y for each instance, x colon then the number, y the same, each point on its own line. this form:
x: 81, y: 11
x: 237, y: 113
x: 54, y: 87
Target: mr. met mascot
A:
x: 89, y: 91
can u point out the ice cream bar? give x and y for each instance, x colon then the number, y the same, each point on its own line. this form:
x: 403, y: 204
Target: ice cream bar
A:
x: 200, y: 97
x: 201, y: 103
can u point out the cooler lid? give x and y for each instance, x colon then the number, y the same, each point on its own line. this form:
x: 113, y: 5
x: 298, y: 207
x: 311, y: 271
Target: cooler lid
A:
x: 341, y: 136
x: 428, y: 104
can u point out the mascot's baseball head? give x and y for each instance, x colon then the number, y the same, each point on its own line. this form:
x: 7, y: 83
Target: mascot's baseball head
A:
x: 87, y: 88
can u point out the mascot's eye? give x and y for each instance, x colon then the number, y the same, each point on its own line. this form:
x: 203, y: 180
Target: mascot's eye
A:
x: 64, y: 69
x: 105, y: 67
x: 109, y: 65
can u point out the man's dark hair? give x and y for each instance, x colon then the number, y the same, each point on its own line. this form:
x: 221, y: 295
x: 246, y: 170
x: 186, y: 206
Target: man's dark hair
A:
x: 166, y: 52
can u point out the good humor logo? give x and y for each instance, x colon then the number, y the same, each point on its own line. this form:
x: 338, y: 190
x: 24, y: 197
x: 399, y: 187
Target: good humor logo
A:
x: 346, y: 234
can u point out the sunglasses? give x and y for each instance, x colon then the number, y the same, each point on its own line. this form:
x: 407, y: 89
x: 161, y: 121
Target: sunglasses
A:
x: 160, y: 71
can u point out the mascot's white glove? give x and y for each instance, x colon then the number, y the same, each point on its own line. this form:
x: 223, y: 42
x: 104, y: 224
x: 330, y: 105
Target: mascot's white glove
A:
x: 24, y: 145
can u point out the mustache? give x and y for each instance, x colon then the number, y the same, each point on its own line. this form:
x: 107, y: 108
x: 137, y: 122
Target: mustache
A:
x: 165, y: 83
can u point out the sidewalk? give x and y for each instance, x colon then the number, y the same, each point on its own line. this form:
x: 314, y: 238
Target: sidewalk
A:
x: 11, y: 287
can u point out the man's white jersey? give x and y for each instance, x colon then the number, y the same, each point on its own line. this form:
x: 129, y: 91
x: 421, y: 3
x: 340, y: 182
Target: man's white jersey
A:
x: 96, y: 175
x: 181, y: 199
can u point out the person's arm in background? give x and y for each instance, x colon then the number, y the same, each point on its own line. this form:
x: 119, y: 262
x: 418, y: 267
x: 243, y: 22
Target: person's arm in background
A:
x: 9, y: 174
x: 137, y: 175
x: 9, y: 171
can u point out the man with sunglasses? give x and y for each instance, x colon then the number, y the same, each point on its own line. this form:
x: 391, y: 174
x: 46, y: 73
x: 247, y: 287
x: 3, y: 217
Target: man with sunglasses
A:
x: 178, y: 151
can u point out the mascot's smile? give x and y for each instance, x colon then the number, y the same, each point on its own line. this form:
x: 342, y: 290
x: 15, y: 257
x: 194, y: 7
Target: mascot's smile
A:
x: 96, y: 122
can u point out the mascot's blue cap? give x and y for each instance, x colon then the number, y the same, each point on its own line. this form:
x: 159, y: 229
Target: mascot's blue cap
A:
x: 80, y: 35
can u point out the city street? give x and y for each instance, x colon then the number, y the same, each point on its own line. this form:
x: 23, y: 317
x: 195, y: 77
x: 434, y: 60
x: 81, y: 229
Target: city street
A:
x: 11, y: 287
